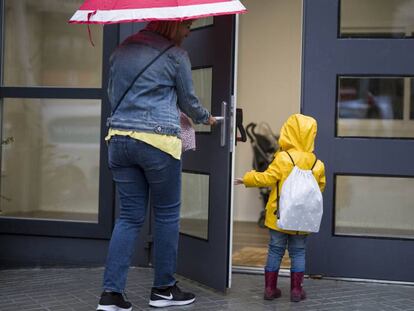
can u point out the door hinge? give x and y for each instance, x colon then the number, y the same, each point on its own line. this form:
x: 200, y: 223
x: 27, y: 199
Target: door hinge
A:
x: 232, y: 123
x: 148, y: 242
x: 148, y: 247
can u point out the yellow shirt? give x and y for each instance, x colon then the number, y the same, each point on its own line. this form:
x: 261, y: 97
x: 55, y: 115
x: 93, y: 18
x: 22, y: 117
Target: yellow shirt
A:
x: 166, y: 143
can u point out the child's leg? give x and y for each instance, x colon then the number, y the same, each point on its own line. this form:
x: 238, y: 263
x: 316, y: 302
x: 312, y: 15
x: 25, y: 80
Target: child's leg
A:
x: 277, y: 247
x: 296, y: 247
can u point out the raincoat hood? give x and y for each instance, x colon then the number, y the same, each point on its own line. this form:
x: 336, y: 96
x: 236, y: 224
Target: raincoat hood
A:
x: 298, y: 133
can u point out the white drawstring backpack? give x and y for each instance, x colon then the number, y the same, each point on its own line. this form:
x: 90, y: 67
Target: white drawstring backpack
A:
x: 300, y: 204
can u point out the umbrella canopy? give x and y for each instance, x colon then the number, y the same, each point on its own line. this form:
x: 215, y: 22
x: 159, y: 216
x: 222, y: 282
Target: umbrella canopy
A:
x: 124, y: 11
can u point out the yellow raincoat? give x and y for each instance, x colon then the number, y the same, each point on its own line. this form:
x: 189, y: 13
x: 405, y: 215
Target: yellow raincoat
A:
x: 297, y: 136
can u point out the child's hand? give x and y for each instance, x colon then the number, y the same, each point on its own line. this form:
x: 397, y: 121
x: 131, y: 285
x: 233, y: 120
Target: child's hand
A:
x: 238, y: 181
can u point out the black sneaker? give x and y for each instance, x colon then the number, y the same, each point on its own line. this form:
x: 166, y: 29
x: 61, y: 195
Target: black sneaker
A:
x: 170, y: 296
x: 111, y: 301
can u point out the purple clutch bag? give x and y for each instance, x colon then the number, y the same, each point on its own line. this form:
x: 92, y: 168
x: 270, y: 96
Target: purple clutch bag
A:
x: 187, y: 133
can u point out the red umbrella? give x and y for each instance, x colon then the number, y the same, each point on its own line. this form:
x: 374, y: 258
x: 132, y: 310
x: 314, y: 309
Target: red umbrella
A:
x: 125, y: 11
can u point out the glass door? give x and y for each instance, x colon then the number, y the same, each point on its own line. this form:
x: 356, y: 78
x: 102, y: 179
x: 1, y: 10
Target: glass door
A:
x: 204, y: 244
x: 205, y: 218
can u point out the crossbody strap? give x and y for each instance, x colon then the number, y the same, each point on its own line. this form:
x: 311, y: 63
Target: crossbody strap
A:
x: 138, y: 75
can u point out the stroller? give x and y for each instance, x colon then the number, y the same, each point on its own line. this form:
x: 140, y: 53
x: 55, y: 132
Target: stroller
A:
x: 264, y: 145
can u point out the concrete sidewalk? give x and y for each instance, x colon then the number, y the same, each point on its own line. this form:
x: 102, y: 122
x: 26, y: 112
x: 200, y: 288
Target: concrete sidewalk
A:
x: 79, y: 289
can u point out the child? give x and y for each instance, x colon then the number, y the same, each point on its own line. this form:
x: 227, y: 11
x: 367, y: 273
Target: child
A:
x: 296, y: 143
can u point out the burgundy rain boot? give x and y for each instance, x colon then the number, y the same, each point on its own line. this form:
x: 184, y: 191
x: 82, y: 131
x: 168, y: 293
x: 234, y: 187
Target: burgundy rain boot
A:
x: 271, y: 290
x: 297, y: 293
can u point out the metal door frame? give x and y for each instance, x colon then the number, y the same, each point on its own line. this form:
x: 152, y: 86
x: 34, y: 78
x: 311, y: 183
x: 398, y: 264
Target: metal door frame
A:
x: 326, y: 56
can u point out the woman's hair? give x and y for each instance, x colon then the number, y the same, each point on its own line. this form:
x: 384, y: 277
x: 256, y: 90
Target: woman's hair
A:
x: 167, y: 29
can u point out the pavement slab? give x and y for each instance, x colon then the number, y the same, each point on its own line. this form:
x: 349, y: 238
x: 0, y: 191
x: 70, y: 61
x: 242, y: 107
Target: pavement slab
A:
x: 78, y: 289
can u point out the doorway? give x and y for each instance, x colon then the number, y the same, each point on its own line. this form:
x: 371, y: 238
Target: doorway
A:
x: 269, y: 91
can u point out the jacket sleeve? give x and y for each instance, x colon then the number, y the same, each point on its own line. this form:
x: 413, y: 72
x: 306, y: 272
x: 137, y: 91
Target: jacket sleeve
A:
x: 187, y: 100
x: 267, y: 178
x: 321, y: 178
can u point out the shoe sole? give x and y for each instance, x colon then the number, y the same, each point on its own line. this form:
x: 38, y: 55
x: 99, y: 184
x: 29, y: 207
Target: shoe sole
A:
x: 111, y: 308
x: 272, y: 297
x: 167, y: 303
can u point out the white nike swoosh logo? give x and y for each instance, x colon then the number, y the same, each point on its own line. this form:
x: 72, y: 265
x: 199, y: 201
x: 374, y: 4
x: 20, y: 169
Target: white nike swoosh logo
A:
x: 165, y: 297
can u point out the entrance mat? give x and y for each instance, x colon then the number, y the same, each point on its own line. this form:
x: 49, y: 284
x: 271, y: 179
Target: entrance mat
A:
x: 255, y: 257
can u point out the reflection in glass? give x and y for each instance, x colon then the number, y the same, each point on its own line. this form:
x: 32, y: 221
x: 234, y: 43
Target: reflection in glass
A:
x: 42, y: 49
x: 202, y: 22
x: 377, y: 18
x: 374, y: 206
x: 50, y: 166
x: 202, y: 79
x: 370, y: 98
x: 374, y: 107
x: 194, y: 204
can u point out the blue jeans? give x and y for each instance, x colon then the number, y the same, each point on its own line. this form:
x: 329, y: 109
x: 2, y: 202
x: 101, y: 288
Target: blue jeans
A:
x: 296, y: 245
x: 139, y: 171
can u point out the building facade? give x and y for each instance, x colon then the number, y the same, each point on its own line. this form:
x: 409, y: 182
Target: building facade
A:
x: 354, y: 75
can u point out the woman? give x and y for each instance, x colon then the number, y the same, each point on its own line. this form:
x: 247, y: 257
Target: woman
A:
x: 149, y: 83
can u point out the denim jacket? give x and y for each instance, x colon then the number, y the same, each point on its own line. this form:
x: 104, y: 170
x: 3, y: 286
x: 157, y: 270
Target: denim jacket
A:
x: 153, y: 102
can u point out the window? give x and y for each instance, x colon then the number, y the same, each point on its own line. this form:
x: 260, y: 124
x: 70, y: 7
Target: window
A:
x: 377, y: 18
x: 375, y: 107
x: 203, y: 79
x: 374, y: 206
x: 194, y: 207
x: 42, y: 49
x: 52, y: 106
x: 202, y: 22
x: 50, y: 170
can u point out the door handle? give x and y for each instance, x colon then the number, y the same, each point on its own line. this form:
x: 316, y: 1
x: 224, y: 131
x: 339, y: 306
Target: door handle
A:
x: 239, y: 126
x: 222, y: 119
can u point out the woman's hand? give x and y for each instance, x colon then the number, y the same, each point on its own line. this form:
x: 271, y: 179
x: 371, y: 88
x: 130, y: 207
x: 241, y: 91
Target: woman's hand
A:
x: 238, y: 181
x: 211, y: 121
